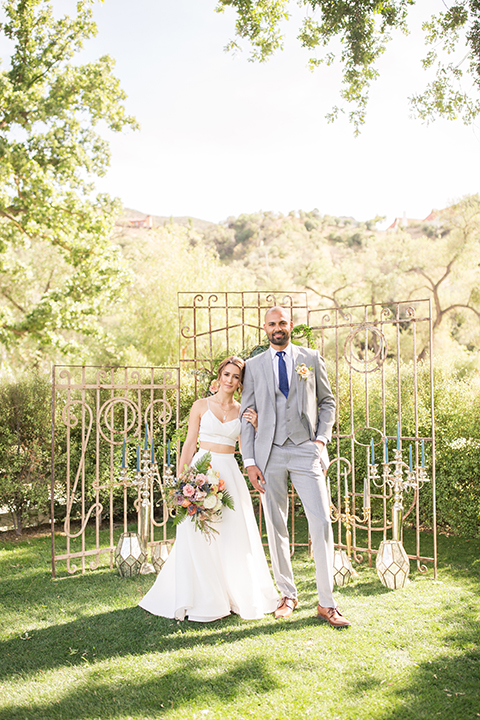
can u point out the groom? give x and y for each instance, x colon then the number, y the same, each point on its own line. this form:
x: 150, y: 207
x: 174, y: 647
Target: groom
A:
x: 288, y: 387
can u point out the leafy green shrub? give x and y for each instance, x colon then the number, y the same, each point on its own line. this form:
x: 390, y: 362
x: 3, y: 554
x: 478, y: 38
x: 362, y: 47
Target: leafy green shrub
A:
x: 25, y: 437
x: 457, y: 409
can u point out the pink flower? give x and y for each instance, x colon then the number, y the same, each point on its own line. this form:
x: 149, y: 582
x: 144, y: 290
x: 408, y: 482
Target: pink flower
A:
x: 303, y: 371
x: 188, y: 490
x: 201, y: 479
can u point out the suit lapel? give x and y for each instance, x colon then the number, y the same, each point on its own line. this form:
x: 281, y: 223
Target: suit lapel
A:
x: 269, y: 375
x: 300, y: 386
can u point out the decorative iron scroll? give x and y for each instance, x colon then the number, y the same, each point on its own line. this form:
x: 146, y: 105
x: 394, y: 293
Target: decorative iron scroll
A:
x: 373, y: 358
x: 100, y: 416
x: 380, y: 363
x: 213, y: 324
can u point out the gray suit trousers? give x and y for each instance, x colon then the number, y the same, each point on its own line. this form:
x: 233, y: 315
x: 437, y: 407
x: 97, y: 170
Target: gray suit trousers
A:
x: 302, y: 462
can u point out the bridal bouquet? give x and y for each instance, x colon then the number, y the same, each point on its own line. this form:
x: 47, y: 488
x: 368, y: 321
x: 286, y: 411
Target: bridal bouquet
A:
x: 199, y: 493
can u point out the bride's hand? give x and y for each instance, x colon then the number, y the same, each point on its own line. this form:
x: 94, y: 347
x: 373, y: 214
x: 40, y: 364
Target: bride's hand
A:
x: 251, y: 416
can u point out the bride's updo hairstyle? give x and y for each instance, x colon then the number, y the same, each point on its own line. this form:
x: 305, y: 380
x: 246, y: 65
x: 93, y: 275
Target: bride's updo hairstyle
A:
x: 232, y: 360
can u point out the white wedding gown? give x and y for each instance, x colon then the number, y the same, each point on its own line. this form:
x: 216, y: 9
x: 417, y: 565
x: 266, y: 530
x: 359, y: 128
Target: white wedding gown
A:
x: 205, y: 580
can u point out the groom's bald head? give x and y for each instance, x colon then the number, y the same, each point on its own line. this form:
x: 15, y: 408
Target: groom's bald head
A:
x: 277, y: 309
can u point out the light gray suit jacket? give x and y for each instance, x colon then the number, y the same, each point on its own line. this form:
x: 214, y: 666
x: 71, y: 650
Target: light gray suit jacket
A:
x: 316, y: 404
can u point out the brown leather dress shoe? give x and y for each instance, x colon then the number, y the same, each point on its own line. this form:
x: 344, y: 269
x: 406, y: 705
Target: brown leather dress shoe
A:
x: 285, y: 607
x: 333, y: 616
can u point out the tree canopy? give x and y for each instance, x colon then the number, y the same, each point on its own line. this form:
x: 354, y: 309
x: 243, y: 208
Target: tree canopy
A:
x: 363, y: 28
x: 58, y: 270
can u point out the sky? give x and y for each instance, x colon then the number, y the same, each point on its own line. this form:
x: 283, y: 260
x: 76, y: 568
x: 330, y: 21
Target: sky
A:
x: 221, y: 136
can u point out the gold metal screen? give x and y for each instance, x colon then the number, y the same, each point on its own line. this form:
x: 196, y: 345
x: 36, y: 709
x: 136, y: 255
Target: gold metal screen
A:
x: 96, y: 413
x: 380, y: 364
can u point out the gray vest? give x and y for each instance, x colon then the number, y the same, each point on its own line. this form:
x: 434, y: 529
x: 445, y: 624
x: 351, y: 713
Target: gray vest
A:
x: 289, y: 424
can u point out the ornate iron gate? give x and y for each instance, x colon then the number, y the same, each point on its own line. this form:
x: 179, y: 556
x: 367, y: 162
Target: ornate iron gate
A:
x: 382, y: 357
x: 380, y: 363
x: 99, y: 418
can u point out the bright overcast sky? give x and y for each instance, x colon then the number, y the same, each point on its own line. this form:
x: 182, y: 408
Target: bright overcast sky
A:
x: 222, y: 136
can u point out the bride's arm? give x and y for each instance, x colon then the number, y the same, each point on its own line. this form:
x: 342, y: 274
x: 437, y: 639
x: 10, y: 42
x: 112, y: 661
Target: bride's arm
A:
x: 250, y: 416
x: 190, y: 445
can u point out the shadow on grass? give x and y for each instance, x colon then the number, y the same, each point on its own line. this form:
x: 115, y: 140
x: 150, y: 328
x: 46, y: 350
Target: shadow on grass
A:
x: 446, y: 687
x: 104, y: 697
x: 127, y: 632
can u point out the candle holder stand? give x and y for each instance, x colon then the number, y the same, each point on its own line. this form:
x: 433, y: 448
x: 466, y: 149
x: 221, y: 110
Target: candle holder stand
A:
x: 144, y: 481
x: 147, y: 471
x: 392, y: 564
x: 161, y: 550
x: 342, y: 564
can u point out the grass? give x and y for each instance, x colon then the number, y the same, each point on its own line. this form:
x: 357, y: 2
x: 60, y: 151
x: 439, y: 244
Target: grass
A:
x: 79, y: 648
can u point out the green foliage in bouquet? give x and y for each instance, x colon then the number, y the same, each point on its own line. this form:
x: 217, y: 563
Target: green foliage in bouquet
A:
x: 199, y: 493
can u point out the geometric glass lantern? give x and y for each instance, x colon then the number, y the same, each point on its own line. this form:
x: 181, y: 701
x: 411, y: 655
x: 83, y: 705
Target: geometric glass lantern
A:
x: 393, y: 565
x: 160, y: 552
x: 342, y: 568
x: 129, y: 554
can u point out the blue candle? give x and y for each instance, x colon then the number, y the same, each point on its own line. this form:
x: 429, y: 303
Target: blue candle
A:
x: 153, y: 449
x: 373, y: 452
x: 386, y: 450
x: 123, y: 454
x: 423, y: 453
x: 138, y: 457
x: 398, y: 435
x: 168, y: 454
x: 146, y: 436
x: 410, y: 461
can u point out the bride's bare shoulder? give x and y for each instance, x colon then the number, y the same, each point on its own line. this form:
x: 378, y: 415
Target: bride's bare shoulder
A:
x: 199, y: 407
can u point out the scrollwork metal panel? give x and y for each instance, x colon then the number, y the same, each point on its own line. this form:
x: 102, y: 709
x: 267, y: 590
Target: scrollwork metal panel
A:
x: 380, y: 363
x: 213, y: 324
x: 380, y: 359
x: 99, y: 418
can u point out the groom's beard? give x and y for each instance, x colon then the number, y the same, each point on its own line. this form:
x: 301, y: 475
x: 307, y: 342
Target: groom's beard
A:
x: 279, y: 338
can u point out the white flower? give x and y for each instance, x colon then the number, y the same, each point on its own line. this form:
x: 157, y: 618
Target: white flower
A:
x: 210, y: 502
x: 213, y: 476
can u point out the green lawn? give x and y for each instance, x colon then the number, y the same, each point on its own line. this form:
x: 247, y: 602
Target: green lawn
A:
x: 78, y: 647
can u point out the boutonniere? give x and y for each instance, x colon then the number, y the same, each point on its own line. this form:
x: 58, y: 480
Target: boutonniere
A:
x: 303, y: 371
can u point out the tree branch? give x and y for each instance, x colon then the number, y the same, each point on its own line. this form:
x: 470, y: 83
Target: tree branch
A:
x: 6, y: 294
x: 16, y: 223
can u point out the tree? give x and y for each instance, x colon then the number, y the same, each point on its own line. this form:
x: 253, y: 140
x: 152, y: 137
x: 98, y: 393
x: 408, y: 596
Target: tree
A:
x: 165, y: 261
x: 363, y: 28
x: 58, y: 270
x: 447, y: 268
x: 341, y: 262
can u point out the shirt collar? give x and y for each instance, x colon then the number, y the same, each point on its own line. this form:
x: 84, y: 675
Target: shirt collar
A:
x: 287, y: 350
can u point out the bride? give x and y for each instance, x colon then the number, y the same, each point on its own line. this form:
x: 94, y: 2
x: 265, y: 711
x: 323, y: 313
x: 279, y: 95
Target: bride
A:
x: 207, y: 579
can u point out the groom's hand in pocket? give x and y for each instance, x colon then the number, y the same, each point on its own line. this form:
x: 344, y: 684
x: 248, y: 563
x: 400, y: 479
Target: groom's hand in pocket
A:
x: 256, y: 478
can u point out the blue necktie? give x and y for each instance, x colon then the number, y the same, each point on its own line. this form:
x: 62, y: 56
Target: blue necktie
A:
x: 282, y: 373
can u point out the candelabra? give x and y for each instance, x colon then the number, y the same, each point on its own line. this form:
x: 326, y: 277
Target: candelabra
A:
x: 393, y: 565
x: 161, y: 550
x: 342, y: 565
x: 143, y: 480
